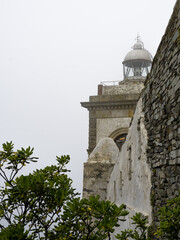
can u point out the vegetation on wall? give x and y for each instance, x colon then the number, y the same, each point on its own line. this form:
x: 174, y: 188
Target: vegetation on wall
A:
x: 43, y: 205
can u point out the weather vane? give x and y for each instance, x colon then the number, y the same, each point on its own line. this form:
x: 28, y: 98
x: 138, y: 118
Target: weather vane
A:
x: 138, y: 38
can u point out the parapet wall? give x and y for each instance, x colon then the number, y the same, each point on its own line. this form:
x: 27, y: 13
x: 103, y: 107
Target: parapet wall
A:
x: 161, y: 105
x: 125, y: 87
x: 130, y: 180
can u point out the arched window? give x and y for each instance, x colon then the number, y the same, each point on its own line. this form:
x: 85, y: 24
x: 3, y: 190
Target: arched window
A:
x: 119, y: 140
x: 119, y: 136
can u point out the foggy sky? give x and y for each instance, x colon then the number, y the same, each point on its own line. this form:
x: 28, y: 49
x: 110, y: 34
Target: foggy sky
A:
x: 53, y: 54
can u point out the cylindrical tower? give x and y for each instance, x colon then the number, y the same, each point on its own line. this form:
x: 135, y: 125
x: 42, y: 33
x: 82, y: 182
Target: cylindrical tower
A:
x: 137, y: 62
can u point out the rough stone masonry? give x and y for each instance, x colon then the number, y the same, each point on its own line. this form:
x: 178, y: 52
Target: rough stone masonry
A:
x: 161, y: 105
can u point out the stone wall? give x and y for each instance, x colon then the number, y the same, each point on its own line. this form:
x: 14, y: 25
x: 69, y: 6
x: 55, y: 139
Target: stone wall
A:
x: 98, y: 168
x: 161, y: 105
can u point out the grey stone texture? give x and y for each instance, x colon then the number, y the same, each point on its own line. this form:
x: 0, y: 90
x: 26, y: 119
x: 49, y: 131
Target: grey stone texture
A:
x: 98, y: 168
x: 127, y: 86
x: 96, y: 177
x: 161, y: 105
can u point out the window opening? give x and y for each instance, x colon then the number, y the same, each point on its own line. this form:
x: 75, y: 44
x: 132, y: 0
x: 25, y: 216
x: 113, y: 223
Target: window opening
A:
x: 119, y: 140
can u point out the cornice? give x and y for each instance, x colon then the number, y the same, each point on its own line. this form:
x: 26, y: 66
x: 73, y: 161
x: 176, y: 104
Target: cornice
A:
x: 109, y: 105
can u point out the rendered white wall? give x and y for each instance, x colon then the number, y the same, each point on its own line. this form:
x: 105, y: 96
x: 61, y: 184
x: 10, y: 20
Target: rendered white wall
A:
x: 130, y: 181
x: 105, y: 126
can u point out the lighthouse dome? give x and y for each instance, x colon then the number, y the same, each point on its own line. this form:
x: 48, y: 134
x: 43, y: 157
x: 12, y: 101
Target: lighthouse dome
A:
x: 137, y: 60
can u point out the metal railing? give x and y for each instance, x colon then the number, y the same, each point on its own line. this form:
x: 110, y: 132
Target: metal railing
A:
x: 110, y: 83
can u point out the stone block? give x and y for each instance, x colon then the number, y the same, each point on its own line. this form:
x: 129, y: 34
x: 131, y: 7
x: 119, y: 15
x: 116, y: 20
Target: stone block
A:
x: 172, y: 162
x: 173, y: 154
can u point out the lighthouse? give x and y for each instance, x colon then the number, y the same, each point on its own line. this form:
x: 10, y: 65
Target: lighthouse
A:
x: 110, y: 114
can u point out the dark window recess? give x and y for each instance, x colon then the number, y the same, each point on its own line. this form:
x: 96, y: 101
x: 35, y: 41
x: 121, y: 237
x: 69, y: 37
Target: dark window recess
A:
x: 120, y: 140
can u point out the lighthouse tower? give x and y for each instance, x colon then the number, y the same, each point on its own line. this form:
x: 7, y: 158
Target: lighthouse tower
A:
x: 110, y: 114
